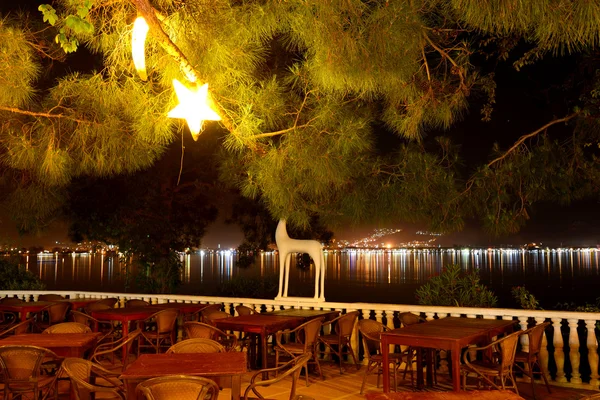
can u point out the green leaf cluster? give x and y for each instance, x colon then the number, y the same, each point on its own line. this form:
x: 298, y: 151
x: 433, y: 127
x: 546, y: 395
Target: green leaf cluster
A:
x: 456, y: 288
x: 15, y: 277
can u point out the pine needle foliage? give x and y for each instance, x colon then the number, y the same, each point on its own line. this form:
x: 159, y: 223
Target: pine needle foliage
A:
x: 308, y: 91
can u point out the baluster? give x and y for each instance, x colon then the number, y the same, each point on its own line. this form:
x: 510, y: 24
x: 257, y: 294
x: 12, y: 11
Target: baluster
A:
x: 428, y: 316
x: 36, y: 296
x: 574, y: 355
x: 524, y: 344
x: 592, y: 345
x: 544, y: 356
x: 559, y: 354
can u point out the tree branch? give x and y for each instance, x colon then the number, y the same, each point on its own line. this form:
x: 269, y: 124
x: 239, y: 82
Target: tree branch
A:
x: 149, y: 13
x: 530, y: 135
x: 43, y: 115
x: 444, y: 54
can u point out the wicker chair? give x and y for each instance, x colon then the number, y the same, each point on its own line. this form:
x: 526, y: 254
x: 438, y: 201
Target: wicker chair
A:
x: 408, y: 319
x: 109, y: 301
x: 178, y: 387
x: 306, y: 339
x: 21, y: 368
x: 96, y: 307
x: 68, y: 327
x: 343, y: 327
x: 194, y: 330
x: 50, y: 297
x: 197, y: 316
x: 159, y: 328
x: 244, y: 310
x: 104, y: 327
x: 199, y: 345
x: 136, y: 303
x: 112, y: 352
x: 532, y: 357
x: 370, y: 331
x: 82, y: 372
x: 500, y: 367
x: 208, y: 317
x: 51, y: 315
x: 17, y: 329
x: 11, y: 301
x: 292, y: 369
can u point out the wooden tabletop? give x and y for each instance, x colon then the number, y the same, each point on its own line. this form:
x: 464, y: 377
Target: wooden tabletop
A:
x: 184, y: 308
x: 494, y: 325
x: 479, y: 395
x: 258, y: 323
x: 306, y: 314
x: 124, y: 314
x: 63, y: 344
x: 28, y: 305
x: 205, y: 364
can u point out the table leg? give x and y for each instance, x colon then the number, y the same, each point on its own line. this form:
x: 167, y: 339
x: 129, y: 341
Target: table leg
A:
x: 430, y: 366
x: 125, y: 329
x: 130, y: 386
x: 263, y: 353
x: 420, y: 380
x: 456, y: 368
x: 386, y: 363
x: 236, y: 387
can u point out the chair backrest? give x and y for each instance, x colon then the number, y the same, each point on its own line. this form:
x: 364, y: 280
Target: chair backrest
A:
x: 507, y: 347
x: 195, y: 329
x: 57, y: 312
x: 114, y: 348
x: 311, y: 329
x: 79, y: 372
x: 408, y: 318
x: 209, y: 317
x: 198, y: 345
x: 178, y: 387
x: 21, y: 364
x: 370, y: 331
x: 345, y: 324
x: 165, y: 320
x: 68, y: 327
x: 96, y: 306
x: 111, y: 301
x: 535, y: 336
x: 82, y: 318
x: 136, y: 303
x: 50, y: 297
x: 16, y: 329
x: 292, y: 368
x: 11, y: 301
x: 244, y: 310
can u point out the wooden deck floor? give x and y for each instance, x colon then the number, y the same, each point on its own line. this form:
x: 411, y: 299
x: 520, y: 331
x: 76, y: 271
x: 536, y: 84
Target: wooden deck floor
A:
x: 346, y: 386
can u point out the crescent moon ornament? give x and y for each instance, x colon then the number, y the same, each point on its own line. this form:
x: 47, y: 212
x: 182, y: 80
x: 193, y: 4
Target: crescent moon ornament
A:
x: 138, y: 42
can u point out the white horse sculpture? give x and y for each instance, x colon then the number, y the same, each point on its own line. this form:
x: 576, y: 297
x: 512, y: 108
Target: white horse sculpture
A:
x: 286, y: 247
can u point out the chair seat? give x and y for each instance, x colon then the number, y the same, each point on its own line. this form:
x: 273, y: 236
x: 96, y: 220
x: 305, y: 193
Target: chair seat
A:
x: 294, y: 348
x: 26, y: 386
x: 331, y: 338
x: 392, y: 357
x: 522, y: 356
x: 486, y: 368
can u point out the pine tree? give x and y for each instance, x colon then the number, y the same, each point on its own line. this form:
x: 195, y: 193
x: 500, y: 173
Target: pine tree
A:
x: 305, y: 90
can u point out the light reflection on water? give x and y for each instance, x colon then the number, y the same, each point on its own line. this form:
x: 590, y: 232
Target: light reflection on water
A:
x: 365, y: 276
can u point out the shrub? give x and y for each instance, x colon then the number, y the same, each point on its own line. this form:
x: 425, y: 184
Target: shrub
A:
x: 15, y: 277
x: 524, y: 298
x: 453, y: 287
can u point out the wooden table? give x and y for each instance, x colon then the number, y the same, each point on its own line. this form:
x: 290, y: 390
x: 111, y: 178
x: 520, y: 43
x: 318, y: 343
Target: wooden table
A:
x: 124, y: 315
x: 78, y: 303
x: 479, y: 395
x: 184, y: 308
x: 200, y: 364
x: 307, y: 315
x: 454, y: 335
x: 63, y: 344
x: 26, y: 307
x: 261, y: 325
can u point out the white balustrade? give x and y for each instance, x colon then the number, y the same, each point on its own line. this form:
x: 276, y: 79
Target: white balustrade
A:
x: 571, y: 321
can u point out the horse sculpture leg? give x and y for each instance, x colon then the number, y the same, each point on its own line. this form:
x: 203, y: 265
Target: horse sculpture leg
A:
x: 281, y: 272
x: 288, y: 260
x: 317, y: 260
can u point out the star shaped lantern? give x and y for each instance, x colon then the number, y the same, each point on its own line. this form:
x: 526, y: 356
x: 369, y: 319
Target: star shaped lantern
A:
x: 193, y: 107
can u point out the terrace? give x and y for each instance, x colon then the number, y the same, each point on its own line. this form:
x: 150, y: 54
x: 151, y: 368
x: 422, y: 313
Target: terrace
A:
x: 571, y: 357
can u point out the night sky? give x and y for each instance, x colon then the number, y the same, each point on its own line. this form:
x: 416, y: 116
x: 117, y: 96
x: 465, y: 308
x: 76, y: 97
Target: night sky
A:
x: 525, y: 101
